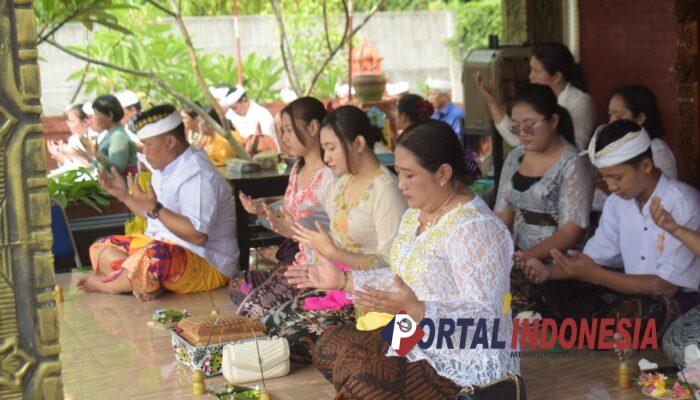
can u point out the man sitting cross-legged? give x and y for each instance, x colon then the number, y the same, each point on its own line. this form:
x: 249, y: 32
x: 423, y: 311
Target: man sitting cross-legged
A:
x: 630, y: 268
x: 189, y: 244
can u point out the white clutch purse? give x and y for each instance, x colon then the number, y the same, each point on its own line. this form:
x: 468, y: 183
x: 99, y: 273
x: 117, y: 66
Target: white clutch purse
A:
x: 240, y: 360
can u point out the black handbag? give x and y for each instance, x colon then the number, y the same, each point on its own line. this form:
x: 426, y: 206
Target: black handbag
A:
x: 510, y: 387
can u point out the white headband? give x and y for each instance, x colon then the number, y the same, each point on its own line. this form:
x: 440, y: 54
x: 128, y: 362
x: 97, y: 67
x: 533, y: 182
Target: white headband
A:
x: 160, y: 126
x: 218, y: 92
x: 440, y: 85
x: 626, y: 148
x: 87, y: 109
x: 397, y: 88
x: 127, y: 98
x: 233, y: 97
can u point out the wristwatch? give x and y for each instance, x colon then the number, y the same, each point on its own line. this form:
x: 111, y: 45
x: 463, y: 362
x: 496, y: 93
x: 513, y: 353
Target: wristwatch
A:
x: 153, y: 214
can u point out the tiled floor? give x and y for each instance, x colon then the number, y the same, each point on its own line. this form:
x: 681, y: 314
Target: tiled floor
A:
x: 108, y: 351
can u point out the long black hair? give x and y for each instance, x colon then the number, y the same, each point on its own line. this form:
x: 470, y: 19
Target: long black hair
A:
x: 348, y: 123
x: 542, y: 99
x: 640, y: 99
x: 304, y: 109
x: 435, y: 143
x: 556, y: 57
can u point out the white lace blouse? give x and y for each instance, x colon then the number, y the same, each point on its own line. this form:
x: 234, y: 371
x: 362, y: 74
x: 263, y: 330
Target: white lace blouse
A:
x: 460, y: 269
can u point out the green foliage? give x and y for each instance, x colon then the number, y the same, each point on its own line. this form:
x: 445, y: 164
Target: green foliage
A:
x: 157, y: 46
x: 221, y: 7
x: 51, y: 15
x: 78, y: 186
x: 476, y: 20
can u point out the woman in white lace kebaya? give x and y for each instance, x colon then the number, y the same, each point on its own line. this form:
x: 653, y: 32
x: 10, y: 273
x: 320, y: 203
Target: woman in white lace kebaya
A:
x: 450, y: 260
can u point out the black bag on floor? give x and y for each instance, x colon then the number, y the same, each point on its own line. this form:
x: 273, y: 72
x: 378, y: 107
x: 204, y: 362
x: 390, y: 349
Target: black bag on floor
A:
x: 510, y: 387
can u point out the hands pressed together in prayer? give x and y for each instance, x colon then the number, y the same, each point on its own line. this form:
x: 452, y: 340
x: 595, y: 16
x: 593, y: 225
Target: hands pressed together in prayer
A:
x: 280, y: 220
x: 575, y: 264
x: 129, y: 189
x: 327, y: 276
x: 317, y: 239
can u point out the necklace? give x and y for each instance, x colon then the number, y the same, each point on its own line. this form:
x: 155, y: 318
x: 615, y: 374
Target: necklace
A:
x: 438, y: 213
x: 342, y: 202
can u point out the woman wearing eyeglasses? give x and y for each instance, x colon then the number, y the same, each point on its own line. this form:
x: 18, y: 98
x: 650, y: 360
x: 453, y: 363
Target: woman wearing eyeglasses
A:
x: 546, y: 189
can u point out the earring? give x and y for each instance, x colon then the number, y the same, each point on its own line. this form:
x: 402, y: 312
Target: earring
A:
x: 442, y: 184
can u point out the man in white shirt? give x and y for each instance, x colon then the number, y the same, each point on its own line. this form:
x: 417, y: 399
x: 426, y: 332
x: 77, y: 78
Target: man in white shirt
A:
x: 629, y: 260
x: 190, y: 243
x: 248, y: 117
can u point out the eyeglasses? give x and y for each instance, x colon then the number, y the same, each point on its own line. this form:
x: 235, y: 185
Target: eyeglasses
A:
x: 528, y: 130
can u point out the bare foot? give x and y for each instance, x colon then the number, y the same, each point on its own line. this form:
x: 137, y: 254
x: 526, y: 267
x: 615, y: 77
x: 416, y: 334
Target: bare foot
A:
x: 91, y: 283
x: 148, y: 296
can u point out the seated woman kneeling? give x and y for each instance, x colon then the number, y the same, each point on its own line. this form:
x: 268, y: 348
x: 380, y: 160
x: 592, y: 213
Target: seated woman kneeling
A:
x: 189, y: 243
x: 451, y: 259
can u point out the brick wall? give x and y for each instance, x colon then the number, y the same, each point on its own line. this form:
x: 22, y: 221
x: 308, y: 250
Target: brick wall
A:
x: 630, y: 42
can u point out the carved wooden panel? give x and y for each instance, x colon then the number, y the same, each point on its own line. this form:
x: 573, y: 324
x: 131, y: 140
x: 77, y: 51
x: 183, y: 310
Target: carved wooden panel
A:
x: 687, y: 72
x: 532, y: 21
x: 514, y: 17
x: 29, y: 347
x: 545, y: 21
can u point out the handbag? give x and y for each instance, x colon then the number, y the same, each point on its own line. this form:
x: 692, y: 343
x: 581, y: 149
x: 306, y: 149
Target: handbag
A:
x: 240, y: 360
x: 510, y: 387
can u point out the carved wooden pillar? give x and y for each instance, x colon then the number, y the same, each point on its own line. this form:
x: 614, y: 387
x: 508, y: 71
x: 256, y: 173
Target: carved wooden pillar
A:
x: 687, y: 71
x: 29, y: 365
x: 532, y: 21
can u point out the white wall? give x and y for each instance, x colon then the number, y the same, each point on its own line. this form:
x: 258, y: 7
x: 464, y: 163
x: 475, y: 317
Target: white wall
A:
x: 412, y: 44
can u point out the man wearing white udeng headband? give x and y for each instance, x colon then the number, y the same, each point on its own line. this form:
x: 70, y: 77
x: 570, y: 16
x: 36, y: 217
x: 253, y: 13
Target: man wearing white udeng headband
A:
x: 630, y: 268
x: 190, y: 242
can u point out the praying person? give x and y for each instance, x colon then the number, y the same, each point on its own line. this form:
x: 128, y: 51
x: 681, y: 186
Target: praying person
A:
x: 450, y: 259
x: 551, y: 64
x: 546, y: 189
x: 631, y: 268
x: 216, y: 146
x: 115, y: 149
x: 189, y: 244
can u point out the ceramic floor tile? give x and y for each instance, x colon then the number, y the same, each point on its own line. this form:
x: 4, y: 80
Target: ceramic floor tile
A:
x: 109, y: 351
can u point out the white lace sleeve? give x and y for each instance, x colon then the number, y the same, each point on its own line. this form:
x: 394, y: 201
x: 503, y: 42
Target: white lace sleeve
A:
x: 503, y: 128
x: 479, y: 253
x: 576, y: 195
x: 505, y: 183
x: 380, y: 278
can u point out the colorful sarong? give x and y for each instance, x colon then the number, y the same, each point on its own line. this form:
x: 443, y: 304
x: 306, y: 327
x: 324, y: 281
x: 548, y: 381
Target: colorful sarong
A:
x: 152, y: 264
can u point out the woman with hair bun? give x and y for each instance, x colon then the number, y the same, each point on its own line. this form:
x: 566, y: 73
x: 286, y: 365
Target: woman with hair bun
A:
x: 412, y: 109
x: 450, y: 258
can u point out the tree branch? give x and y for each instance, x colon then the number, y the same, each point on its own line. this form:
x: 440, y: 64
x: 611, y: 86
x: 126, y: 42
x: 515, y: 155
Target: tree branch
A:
x: 287, y: 56
x: 56, y: 27
x: 158, y: 81
x: 325, y: 27
x: 342, y: 43
x: 198, y: 73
